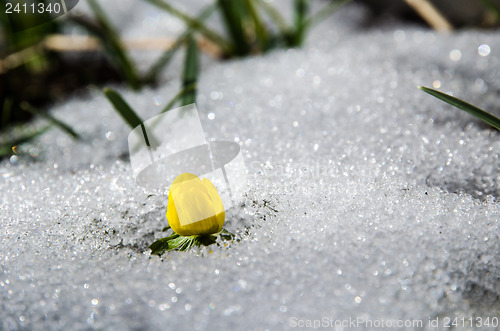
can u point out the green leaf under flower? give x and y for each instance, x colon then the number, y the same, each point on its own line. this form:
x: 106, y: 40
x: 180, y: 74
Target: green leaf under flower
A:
x: 185, y: 243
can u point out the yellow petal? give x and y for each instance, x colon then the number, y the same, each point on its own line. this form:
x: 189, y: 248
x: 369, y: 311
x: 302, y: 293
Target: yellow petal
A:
x: 172, y: 216
x: 216, y: 202
x: 194, y: 206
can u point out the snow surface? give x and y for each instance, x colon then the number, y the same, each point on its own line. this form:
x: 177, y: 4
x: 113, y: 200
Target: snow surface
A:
x: 366, y: 197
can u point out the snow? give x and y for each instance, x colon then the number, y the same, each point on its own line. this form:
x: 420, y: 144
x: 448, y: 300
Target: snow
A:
x: 366, y: 198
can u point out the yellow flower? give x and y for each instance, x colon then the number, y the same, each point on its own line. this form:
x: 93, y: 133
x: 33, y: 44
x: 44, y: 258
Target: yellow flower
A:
x: 194, y: 206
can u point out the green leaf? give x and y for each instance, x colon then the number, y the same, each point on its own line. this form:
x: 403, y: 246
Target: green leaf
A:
x: 178, y: 96
x: 234, y: 16
x: 154, y: 71
x: 123, y: 108
x: 160, y: 246
x: 111, y: 41
x: 274, y: 14
x: 460, y: 104
x: 169, y: 106
x: 195, y: 24
x: 184, y: 243
x: 129, y: 115
x: 166, y: 57
x: 166, y: 229
x: 300, y: 13
x: 259, y: 24
x: 205, y: 240
x: 190, y: 74
x: 63, y: 126
x: 178, y: 242
x: 166, y: 244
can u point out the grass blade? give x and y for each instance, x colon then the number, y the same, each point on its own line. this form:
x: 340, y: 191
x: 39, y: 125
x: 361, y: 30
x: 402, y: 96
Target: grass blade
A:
x: 233, y: 17
x: 260, y: 27
x: 123, y: 108
x: 300, y: 13
x: 164, y: 60
x: 190, y: 75
x: 130, y: 116
x: 152, y: 74
x: 178, y: 96
x: 276, y: 17
x: 195, y: 24
x: 63, y: 126
x: 111, y: 41
x: 170, y: 105
x: 460, y: 104
x: 6, y: 148
x: 325, y: 12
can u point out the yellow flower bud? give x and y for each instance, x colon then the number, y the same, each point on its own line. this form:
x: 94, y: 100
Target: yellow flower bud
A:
x: 194, y: 206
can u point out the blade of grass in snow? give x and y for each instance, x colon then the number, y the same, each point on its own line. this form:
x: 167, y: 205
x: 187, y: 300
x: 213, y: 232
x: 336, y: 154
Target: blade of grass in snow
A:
x: 63, y: 126
x: 129, y: 115
x: 190, y: 74
x: 162, y: 62
x: 170, y: 105
x: 111, y: 41
x: 196, y: 24
x: 260, y: 27
x: 233, y: 17
x: 325, y: 12
x: 6, y: 148
x: 276, y: 17
x: 473, y: 110
x: 300, y: 13
x: 123, y: 108
x: 178, y: 96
